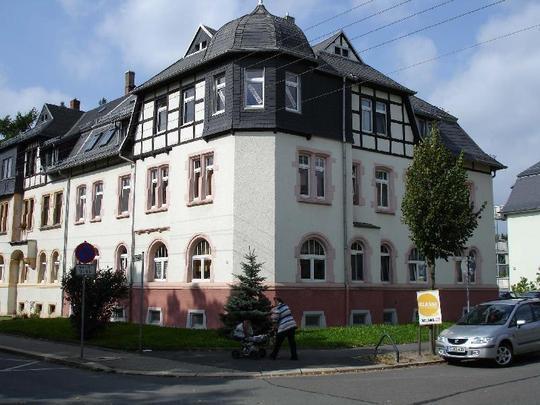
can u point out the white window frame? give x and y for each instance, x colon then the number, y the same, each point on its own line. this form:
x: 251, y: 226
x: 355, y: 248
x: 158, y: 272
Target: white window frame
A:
x: 247, y: 82
x: 384, y: 112
x: 219, y: 93
x: 97, y: 194
x: 387, y: 254
x: 162, y: 109
x: 203, y: 258
x: 355, y: 174
x: 209, y: 175
x: 197, y: 178
x: 358, y: 251
x: 7, y: 163
x: 156, y: 309
x: 365, y: 312
x: 124, y: 188
x: 57, y: 210
x: 45, y: 210
x: 4, y: 209
x: 81, y: 204
x: 55, y: 267
x: 312, y: 257
x: 295, y: 86
x: 369, y: 112
x: 320, y: 170
x: 382, y: 186
x: 2, y: 269
x: 164, y: 262
x: 189, y: 323
x: 122, y: 258
x: 163, y: 186
x: 393, y: 311
x: 42, y: 268
x: 304, y: 169
x: 417, y: 263
x: 28, y: 214
x: 322, y: 319
x: 185, y: 101
x: 118, y: 319
x: 474, y: 271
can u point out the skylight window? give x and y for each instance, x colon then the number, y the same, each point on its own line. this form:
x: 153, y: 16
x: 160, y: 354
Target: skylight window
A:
x: 107, y: 136
x: 93, y: 140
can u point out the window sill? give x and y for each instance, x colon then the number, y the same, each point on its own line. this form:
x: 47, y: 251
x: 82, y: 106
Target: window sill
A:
x: 96, y: 219
x: 311, y: 280
x: 48, y: 227
x: 3, y: 233
x: 122, y: 216
x: 299, y: 112
x: 187, y: 124
x: 200, y: 280
x: 156, y: 210
x: 314, y: 200
x: 254, y: 108
x: 387, y: 211
x: 218, y: 113
x: 79, y: 222
x: 200, y: 202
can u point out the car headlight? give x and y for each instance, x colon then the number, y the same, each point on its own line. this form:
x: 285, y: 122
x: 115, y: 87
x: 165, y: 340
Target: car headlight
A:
x: 441, y: 339
x: 481, y: 340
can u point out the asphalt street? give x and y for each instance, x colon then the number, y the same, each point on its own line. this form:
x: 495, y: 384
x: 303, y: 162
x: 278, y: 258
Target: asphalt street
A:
x: 24, y: 380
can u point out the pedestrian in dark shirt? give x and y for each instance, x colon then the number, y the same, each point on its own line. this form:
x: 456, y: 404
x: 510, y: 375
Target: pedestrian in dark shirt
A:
x: 285, y: 327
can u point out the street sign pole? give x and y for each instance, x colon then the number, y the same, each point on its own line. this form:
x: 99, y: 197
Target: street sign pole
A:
x: 141, y: 304
x: 82, y: 316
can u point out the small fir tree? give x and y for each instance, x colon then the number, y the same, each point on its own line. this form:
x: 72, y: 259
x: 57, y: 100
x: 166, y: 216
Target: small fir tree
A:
x: 247, y: 300
x: 524, y: 285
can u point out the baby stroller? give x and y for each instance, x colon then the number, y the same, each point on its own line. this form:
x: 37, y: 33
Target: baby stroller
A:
x: 253, y: 347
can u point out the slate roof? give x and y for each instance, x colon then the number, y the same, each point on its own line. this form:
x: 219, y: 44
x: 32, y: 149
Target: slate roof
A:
x: 364, y: 73
x: 256, y: 31
x: 534, y: 169
x: 62, y: 118
x: 96, y: 121
x: 422, y: 107
x: 321, y: 46
x: 525, y: 195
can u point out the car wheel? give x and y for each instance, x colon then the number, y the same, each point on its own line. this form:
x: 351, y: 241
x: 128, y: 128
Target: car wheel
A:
x: 504, y: 355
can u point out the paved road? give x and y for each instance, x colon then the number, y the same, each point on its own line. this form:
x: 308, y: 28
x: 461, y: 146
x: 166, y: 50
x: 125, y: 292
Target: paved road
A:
x: 27, y: 380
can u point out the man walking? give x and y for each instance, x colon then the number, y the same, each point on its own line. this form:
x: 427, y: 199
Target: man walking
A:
x: 285, y: 326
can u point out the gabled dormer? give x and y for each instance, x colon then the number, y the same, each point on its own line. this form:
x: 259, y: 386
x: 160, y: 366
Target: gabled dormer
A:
x: 201, y: 40
x: 338, y: 44
x: 44, y: 116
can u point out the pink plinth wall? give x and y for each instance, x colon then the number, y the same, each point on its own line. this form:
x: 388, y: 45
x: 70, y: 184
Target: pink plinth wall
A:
x: 175, y: 303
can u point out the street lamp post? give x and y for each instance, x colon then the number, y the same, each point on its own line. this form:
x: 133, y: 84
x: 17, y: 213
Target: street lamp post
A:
x: 140, y: 258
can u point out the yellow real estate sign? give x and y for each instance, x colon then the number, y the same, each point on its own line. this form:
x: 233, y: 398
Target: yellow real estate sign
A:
x: 429, y: 307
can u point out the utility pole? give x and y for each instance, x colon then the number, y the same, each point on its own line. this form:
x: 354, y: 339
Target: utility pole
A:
x: 140, y: 258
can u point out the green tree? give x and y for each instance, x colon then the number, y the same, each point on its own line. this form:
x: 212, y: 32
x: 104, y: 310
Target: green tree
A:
x: 9, y: 127
x: 247, y: 300
x: 101, y: 296
x: 524, y: 285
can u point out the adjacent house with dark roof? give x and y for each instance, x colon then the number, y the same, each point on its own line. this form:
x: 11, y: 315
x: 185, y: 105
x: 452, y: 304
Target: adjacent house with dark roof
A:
x: 254, y: 139
x: 522, y: 212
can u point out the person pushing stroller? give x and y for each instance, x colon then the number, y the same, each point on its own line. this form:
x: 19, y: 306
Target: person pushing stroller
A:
x: 250, y: 345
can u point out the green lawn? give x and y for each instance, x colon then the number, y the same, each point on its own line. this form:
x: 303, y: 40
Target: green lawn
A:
x: 125, y: 336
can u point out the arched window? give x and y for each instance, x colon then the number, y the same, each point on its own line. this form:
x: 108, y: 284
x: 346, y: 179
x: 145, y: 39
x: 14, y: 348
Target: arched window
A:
x: 357, y: 261
x: 42, y: 268
x: 96, y: 259
x: 55, y: 269
x: 472, y: 263
x: 2, y: 271
x: 312, y: 260
x: 385, y: 263
x: 417, y: 267
x: 160, y: 261
x: 201, y: 260
x: 122, y: 258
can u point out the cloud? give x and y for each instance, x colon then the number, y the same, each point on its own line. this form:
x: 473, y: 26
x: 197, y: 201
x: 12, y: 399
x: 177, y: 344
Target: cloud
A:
x: 495, y: 94
x: 80, y: 8
x: 411, y: 50
x: 14, y: 100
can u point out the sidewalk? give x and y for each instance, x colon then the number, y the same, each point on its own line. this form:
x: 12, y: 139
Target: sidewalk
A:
x: 212, y: 363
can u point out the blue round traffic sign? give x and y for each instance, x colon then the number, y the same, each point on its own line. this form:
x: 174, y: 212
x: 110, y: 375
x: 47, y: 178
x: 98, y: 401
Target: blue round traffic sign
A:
x: 85, y: 252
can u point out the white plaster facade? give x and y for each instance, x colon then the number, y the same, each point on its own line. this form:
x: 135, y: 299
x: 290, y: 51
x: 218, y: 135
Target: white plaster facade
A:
x: 523, y: 242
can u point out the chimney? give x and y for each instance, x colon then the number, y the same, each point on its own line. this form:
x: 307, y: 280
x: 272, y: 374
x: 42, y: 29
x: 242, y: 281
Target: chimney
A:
x: 289, y: 18
x: 129, y: 81
x: 75, y: 104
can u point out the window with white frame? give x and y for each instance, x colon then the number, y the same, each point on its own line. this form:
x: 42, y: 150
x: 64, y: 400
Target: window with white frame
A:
x: 201, y: 178
x: 357, y: 261
x: 3, y: 216
x: 6, y: 168
x: 459, y: 269
x: 196, y: 170
x: 80, y: 210
x: 57, y: 210
x: 381, y: 121
x: 218, y: 101
x: 161, y: 115
x: 30, y: 162
x: 385, y: 264
x: 417, y: 267
x: 124, y: 194
x: 2, y: 272
x: 390, y: 317
x: 42, y: 272
x: 154, y: 316
x: 55, y: 270
x: 52, y: 309
x: 356, y: 183
x: 313, y: 319
x: 320, y: 164
x: 122, y: 259
x: 367, y: 115
x: 158, y: 182
x: 201, y: 261
x: 292, y: 92
x: 45, y: 208
x: 303, y: 171
x: 188, y: 105
x: 97, y: 200
x: 196, y: 319
x: 160, y: 261
x: 360, y: 317
x: 312, y: 260
x: 27, y: 221
x: 118, y: 314
x: 254, y: 88
x: 382, y: 187
x: 472, y: 263
x: 209, y: 172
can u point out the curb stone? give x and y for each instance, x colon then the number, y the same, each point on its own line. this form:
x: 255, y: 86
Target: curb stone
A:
x: 93, y: 366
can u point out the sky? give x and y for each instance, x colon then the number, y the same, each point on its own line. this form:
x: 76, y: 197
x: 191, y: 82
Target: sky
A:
x: 56, y: 50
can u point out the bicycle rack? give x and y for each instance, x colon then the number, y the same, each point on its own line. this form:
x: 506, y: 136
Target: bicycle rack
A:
x: 396, y: 350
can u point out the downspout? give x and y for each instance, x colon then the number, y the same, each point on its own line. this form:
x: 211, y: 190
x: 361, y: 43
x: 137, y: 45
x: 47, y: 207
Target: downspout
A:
x: 66, y: 224
x: 133, y: 188
x: 345, y: 198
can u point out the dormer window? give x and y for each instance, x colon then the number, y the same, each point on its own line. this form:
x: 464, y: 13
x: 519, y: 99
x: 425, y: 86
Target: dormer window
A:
x: 424, y: 127
x: 254, y: 88
x: 161, y: 115
x: 338, y: 50
x: 200, y: 46
x: 203, y: 45
x: 292, y: 92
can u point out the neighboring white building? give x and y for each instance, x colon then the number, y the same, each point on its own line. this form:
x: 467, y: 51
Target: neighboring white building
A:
x: 253, y: 139
x: 522, y: 212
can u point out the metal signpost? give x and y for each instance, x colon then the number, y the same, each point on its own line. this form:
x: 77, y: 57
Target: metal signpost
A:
x: 85, y: 254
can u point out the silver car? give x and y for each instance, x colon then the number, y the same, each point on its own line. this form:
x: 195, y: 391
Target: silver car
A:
x: 495, y: 330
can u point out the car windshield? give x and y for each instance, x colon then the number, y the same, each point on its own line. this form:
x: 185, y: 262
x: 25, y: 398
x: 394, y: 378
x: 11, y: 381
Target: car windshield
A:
x: 487, y: 314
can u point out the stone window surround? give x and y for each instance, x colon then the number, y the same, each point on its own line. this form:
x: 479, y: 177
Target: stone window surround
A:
x: 189, y: 169
x: 150, y: 254
x: 365, y: 312
x: 368, y: 253
x: 117, y: 257
x: 164, y: 207
x: 330, y: 254
x: 393, y: 311
x: 428, y: 276
x: 148, y: 315
x: 319, y: 313
x: 51, y: 266
x: 39, y: 262
x: 97, y: 218
x: 79, y: 221
x: 392, y: 199
x: 189, y: 325
x: 119, y: 214
x: 23, y: 219
x: 393, y: 261
x: 329, y: 188
x: 5, y: 209
x: 188, y: 259
x: 360, y: 171
x: 478, y: 270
